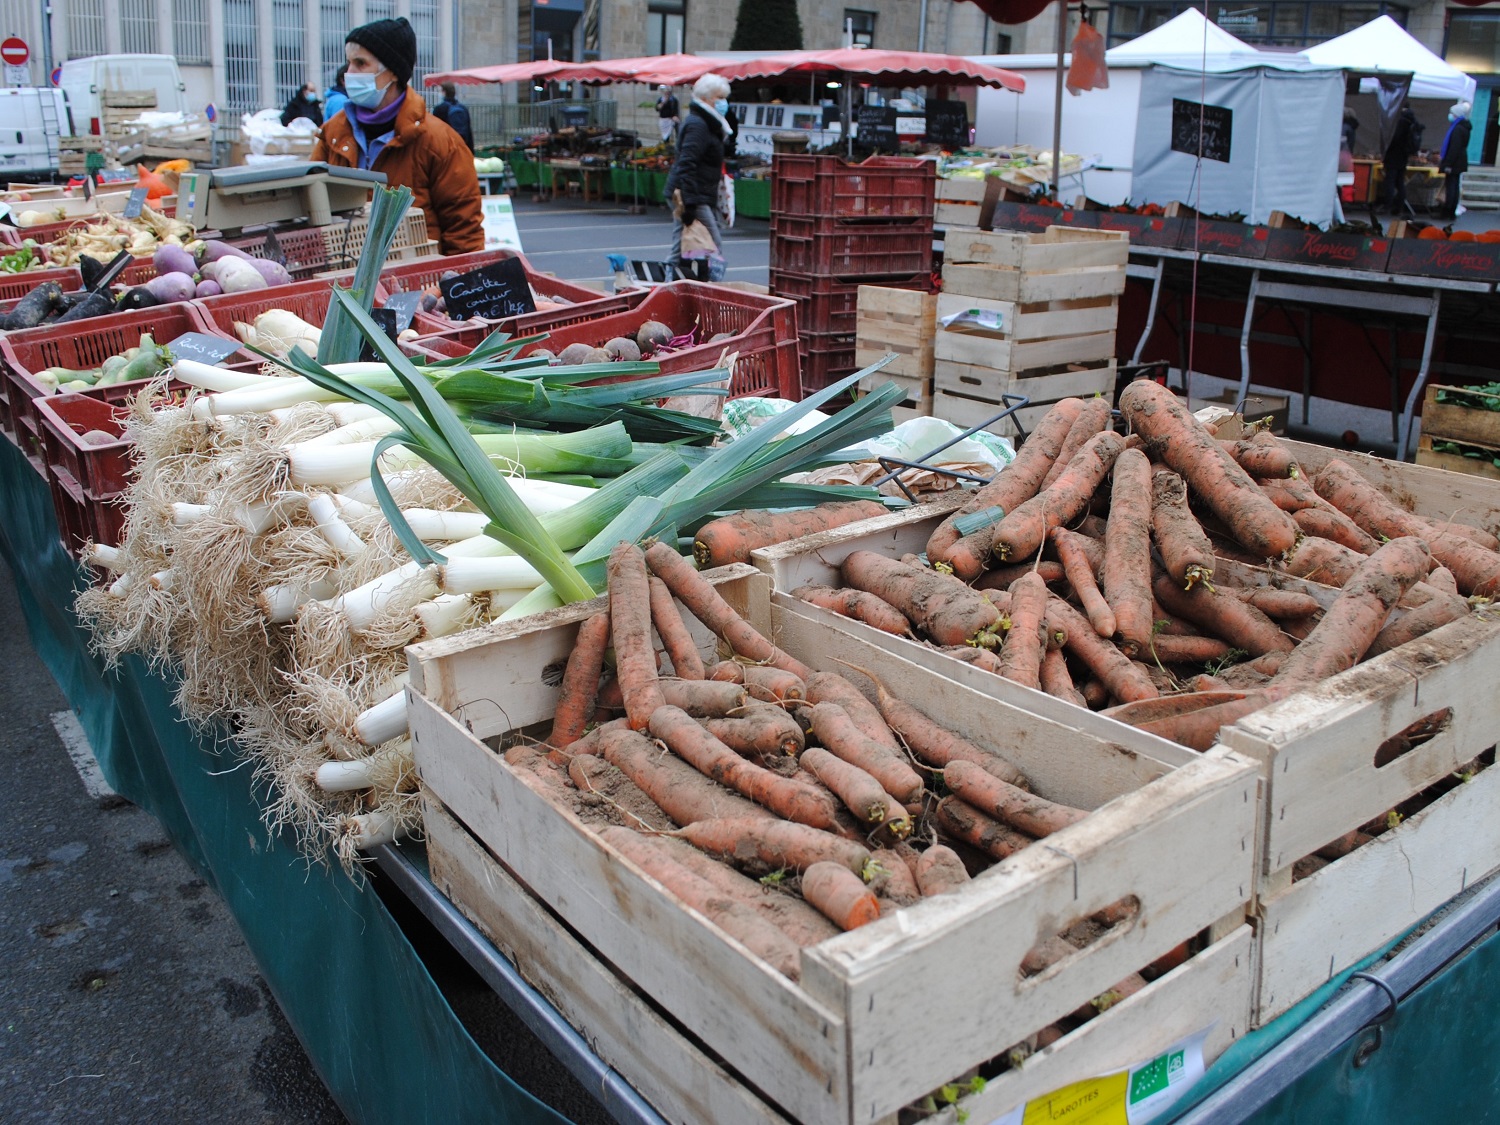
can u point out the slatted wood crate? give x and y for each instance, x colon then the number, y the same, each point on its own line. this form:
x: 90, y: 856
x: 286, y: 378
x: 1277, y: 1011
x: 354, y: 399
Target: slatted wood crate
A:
x: 1332, y: 757
x: 1470, y: 426
x: 898, y: 321
x: 881, y: 1016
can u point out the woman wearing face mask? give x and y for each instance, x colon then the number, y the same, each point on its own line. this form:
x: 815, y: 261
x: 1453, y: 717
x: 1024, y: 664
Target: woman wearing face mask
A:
x: 1453, y: 160
x: 700, y: 161
x: 387, y: 128
x: 304, y: 103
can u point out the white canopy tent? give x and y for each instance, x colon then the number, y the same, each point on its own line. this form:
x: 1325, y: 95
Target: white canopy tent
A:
x: 1187, y: 40
x: 1382, y: 46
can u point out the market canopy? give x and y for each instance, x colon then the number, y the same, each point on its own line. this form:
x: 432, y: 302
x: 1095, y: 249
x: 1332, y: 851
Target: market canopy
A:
x: 1383, y: 46
x: 893, y: 68
x: 551, y: 69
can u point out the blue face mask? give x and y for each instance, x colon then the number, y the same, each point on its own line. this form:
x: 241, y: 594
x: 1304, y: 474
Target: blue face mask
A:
x: 721, y: 107
x: 363, y: 91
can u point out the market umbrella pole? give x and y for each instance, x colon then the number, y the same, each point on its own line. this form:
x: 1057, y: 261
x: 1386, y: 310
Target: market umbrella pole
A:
x: 1062, y: 44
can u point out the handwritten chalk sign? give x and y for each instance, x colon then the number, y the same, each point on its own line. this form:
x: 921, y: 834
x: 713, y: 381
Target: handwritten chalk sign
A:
x: 877, y: 127
x: 202, y: 347
x: 1199, y: 129
x: 947, y: 123
x: 492, y: 292
x: 134, y: 202
x: 390, y: 323
x: 404, y: 306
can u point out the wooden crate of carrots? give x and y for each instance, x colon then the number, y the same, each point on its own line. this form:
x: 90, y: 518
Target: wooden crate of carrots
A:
x: 1150, y: 863
x: 1346, y: 667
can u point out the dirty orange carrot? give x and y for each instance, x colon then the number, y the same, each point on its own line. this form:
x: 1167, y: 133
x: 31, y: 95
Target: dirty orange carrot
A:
x: 1057, y: 681
x: 943, y: 610
x: 733, y: 917
x: 840, y: 895
x: 1441, y: 578
x: 1125, y: 578
x: 1001, y: 577
x: 1416, y: 623
x: 759, y: 732
x: 1174, y: 436
x: 704, y: 699
x: 1293, y: 496
x: 1263, y: 455
x: 933, y: 743
x: 1021, y: 656
x: 1475, y: 570
x: 830, y: 687
x: 939, y: 870
x: 1379, y: 515
x: 579, y: 694
x: 961, y: 821
x: 1332, y: 564
x: 979, y: 657
x: 708, y: 606
x: 862, y: 795
x: 587, y: 743
x: 1092, y: 419
x: 1120, y: 677
x: 725, y: 672
x: 705, y: 753
x: 1095, y: 694
x: 1335, y: 525
x: 630, y: 632
x: 1022, y: 530
x: 838, y: 734
x: 682, y: 650
x: 1273, y: 602
x: 1223, y: 615
x: 1036, y: 816
x: 1012, y: 487
x: 1187, y: 650
x: 1199, y: 718
x: 1352, y: 622
x: 773, y: 845
x: 773, y: 685
x: 677, y: 788
x: 1185, y: 550
x: 1081, y: 578
x: 730, y: 539
x: 892, y: 880
x: 857, y: 604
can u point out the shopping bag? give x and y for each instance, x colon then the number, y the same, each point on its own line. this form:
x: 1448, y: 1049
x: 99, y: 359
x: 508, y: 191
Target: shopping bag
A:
x: 726, y: 201
x: 1087, y: 70
x: 697, y: 242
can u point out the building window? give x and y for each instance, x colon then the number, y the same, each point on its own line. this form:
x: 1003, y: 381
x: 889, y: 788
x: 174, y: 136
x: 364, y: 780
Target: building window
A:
x: 1474, y: 42
x: 335, y: 19
x: 1295, y: 24
x: 86, y: 31
x: 241, y: 56
x: 190, y: 32
x: 424, y: 17
x: 289, y: 65
x: 379, y: 10
x: 862, y: 25
x: 666, y: 26
x: 1002, y: 43
x: 138, y: 27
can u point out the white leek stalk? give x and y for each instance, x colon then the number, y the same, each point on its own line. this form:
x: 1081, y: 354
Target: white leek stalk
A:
x: 474, y: 576
x: 207, y: 377
x: 280, y: 603
x: 346, y: 777
x: 363, y: 605
x: 275, y: 392
x: 430, y: 525
x: 368, y: 830
x: 502, y: 600
x: 347, y: 413
x: 385, y: 720
x: 361, y: 430
x: 163, y: 580
x: 310, y: 464
x: 103, y: 556
x: 121, y: 585
x: 444, y: 615
x: 325, y: 515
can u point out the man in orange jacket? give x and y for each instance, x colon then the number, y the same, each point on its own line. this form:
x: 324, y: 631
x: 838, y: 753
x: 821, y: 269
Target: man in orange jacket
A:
x: 386, y: 127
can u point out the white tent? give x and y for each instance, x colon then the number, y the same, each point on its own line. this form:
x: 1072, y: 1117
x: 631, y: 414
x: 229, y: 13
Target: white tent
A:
x: 1382, y: 45
x: 1186, y: 40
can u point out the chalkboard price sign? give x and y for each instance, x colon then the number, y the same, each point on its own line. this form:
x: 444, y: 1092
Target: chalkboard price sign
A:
x: 1194, y: 122
x: 390, y: 323
x: 405, y: 306
x: 947, y: 123
x: 493, y: 292
x: 134, y: 202
x: 202, y: 347
x: 877, y: 126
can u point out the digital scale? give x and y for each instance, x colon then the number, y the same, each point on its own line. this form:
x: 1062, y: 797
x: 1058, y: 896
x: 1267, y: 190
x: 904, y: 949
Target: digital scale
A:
x: 232, y: 199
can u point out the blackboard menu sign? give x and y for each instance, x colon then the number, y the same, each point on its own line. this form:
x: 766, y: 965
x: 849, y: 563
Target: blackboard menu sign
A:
x: 877, y: 126
x: 493, y: 292
x: 389, y: 322
x: 1194, y: 122
x: 947, y: 123
x: 404, y: 306
x: 202, y: 347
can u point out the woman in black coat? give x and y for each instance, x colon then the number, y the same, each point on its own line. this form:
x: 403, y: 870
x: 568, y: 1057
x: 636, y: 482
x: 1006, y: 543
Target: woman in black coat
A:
x: 1453, y: 161
x: 699, y: 167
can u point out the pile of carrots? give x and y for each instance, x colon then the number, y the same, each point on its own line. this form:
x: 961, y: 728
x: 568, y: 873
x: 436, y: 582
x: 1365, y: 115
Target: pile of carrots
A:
x: 1094, y: 568
x: 780, y: 801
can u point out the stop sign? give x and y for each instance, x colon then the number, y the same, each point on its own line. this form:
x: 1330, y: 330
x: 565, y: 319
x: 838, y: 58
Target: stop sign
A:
x: 14, y: 51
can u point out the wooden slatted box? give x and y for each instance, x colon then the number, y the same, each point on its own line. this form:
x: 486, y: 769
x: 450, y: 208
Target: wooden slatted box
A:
x: 899, y: 321
x: 1468, y: 426
x: 881, y: 1016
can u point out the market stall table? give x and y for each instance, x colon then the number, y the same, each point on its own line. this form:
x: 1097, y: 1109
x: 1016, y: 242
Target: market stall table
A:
x: 592, y: 179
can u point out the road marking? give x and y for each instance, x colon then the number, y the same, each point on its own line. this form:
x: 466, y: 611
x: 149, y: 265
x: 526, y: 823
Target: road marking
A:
x: 76, y: 743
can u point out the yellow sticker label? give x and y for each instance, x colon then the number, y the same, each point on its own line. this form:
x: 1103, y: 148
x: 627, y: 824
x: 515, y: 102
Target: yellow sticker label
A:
x: 1098, y: 1101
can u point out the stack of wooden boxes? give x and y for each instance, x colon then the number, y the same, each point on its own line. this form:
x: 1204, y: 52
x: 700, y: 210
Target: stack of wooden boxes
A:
x: 899, y: 322
x: 1025, y: 315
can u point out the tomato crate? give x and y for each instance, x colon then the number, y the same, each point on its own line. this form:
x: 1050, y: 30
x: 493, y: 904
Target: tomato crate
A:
x: 82, y: 518
x: 101, y: 470
x: 882, y: 187
x: 1173, y: 837
x: 850, y: 250
x: 760, y: 328
x: 828, y: 305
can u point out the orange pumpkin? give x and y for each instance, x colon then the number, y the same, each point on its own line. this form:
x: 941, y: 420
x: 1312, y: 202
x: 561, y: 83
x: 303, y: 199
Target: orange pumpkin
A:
x: 155, y: 186
x: 1431, y: 233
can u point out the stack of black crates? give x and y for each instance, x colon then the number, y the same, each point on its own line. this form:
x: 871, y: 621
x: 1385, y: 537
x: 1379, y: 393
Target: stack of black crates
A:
x: 837, y: 226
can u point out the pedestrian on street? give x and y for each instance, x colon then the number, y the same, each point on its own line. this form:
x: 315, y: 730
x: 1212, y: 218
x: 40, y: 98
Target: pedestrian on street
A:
x: 387, y: 129
x: 1453, y: 160
x: 455, y: 114
x: 668, y: 112
x: 1405, y: 141
x: 699, y: 167
x: 304, y: 103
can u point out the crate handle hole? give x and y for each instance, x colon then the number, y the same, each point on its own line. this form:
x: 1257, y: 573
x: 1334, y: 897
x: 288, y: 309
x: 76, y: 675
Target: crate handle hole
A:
x: 1403, y: 742
x: 1057, y: 948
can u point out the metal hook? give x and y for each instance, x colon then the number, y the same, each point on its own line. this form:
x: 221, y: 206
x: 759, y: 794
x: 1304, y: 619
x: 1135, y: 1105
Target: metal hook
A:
x: 1071, y: 859
x: 1391, y: 999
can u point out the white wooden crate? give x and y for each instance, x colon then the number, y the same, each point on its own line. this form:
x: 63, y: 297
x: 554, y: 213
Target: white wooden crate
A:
x: 886, y: 1014
x: 969, y: 395
x: 1058, y: 264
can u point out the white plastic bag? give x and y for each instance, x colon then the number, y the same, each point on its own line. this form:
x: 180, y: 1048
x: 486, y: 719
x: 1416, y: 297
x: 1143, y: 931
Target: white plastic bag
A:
x: 726, y: 201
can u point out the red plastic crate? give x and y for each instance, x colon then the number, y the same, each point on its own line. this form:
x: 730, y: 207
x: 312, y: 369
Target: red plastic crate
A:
x: 14, y: 286
x: 764, y: 333
x: 82, y: 518
x: 305, y: 251
x: 829, y: 305
x: 883, y: 187
x: 308, y: 300
x: 79, y: 345
x: 101, y: 470
x: 825, y: 357
x: 809, y: 245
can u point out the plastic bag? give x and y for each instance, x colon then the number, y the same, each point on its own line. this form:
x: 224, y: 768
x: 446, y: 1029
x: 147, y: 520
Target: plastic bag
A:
x: 1087, y: 70
x: 726, y: 201
x: 697, y: 242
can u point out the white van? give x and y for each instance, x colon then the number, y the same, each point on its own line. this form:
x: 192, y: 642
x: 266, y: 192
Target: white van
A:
x: 83, y: 80
x: 31, y: 120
